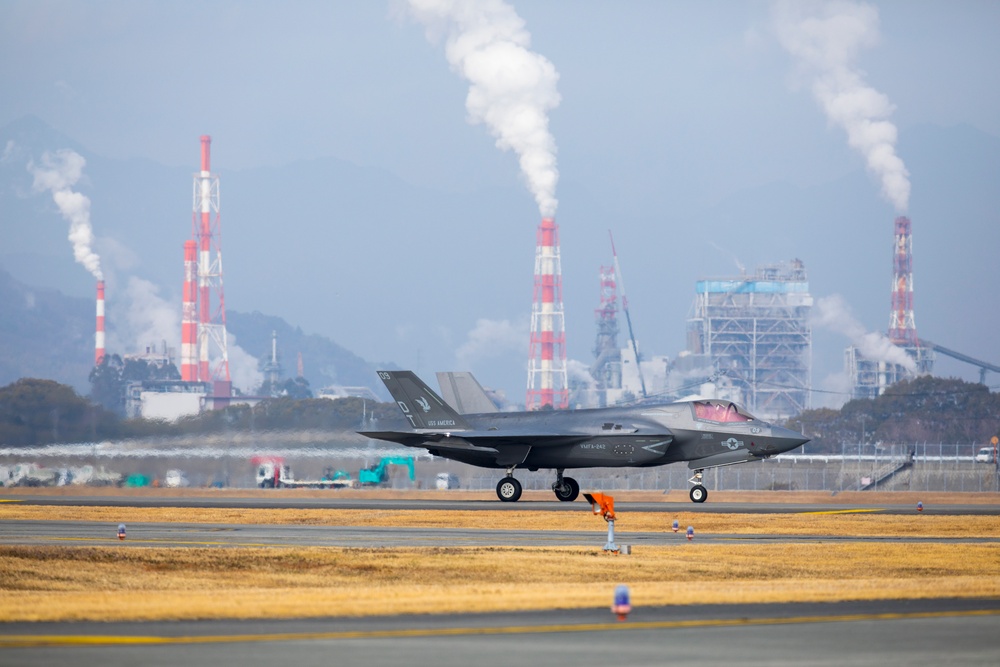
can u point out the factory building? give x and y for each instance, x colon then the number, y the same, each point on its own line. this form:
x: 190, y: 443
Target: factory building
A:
x: 755, y: 331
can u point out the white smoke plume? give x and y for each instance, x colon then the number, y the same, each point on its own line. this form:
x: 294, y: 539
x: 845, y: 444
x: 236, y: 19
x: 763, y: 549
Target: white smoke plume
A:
x: 577, y: 371
x: 57, y: 174
x: 825, y: 38
x: 511, y: 90
x: 490, y: 339
x: 148, y: 318
x: 244, y: 369
x: 833, y: 313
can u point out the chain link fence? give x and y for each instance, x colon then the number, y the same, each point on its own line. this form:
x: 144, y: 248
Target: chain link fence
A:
x: 918, y: 467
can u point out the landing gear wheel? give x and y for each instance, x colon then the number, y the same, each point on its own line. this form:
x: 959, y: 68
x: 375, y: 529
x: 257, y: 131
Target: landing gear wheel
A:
x: 698, y: 493
x: 509, y: 490
x: 568, y: 491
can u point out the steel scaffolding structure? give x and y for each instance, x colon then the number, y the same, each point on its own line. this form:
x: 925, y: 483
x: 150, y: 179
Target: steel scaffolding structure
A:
x: 756, y: 331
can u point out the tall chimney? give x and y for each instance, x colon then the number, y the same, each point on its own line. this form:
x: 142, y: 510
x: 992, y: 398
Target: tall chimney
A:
x: 99, y: 335
x: 547, y: 379
x: 208, y: 236
x: 902, y: 326
x: 189, y: 315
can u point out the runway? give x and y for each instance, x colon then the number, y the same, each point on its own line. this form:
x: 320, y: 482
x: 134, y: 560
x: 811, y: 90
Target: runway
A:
x: 331, y: 500
x: 921, y: 632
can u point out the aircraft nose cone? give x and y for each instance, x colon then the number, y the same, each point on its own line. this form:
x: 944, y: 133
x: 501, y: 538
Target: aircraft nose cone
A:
x: 788, y: 438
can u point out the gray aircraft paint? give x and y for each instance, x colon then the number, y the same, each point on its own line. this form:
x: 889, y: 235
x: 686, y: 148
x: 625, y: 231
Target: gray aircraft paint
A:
x: 637, y: 436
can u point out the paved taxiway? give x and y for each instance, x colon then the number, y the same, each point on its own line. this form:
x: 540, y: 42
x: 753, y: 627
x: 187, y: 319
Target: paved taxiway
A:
x: 93, y: 533
x: 917, y: 632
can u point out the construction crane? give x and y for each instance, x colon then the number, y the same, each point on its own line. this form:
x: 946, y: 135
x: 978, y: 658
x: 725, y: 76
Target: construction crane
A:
x: 628, y: 318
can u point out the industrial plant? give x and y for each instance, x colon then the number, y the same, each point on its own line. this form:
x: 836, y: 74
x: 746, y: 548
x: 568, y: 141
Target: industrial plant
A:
x: 870, y: 377
x: 204, y: 381
x: 749, y: 337
x: 755, y: 331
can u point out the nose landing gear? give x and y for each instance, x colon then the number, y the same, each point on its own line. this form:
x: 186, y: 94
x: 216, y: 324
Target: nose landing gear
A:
x: 698, y: 492
x: 508, y: 488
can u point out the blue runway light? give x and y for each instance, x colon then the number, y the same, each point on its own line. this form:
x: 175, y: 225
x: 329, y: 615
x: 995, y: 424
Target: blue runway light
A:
x: 622, y: 604
x: 677, y: 525
x: 690, y: 533
x: 920, y: 507
x: 121, y: 531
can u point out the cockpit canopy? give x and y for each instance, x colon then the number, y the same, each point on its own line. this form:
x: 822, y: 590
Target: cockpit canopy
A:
x: 720, y: 412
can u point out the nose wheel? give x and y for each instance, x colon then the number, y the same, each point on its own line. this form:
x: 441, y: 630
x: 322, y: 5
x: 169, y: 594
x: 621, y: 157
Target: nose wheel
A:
x: 508, y: 488
x: 698, y: 493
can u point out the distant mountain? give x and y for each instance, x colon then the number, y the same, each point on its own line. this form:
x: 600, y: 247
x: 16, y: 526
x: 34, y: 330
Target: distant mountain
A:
x: 46, y: 334
x: 323, y: 361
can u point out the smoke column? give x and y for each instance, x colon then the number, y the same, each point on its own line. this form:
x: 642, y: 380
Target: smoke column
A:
x: 511, y: 88
x: 832, y: 313
x: 58, y: 173
x: 825, y: 39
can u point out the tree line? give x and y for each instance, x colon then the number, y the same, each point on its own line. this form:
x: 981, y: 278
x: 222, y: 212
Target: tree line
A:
x: 923, y: 410
x: 39, y: 412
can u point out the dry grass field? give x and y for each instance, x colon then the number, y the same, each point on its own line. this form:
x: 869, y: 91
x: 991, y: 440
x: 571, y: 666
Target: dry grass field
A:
x: 129, y: 582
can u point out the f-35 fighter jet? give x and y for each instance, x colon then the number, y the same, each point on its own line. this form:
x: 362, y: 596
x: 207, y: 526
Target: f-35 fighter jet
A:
x: 705, y: 433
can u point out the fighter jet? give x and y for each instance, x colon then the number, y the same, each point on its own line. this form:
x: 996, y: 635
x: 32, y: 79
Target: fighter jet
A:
x: 706, y: 433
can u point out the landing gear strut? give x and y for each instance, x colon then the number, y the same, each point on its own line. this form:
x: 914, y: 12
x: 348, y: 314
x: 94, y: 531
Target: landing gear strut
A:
x: 698, y: 492
x: 509, y: 489
x: 566, y: 488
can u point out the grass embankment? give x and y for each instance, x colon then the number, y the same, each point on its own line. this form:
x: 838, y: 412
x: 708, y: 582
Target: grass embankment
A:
x: 128, y: 582
x: 118, y: 582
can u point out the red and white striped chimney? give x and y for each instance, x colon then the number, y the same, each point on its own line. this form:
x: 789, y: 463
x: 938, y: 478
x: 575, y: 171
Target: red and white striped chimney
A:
x: 189, y: 315
x: 547, y: 379
x: 99, y: 335
x: 203, y: 202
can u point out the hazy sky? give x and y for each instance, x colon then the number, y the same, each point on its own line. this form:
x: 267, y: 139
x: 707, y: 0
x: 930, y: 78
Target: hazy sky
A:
x: 664, y: 106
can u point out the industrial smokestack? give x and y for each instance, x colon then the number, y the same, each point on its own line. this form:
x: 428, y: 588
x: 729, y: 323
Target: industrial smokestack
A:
x: 547, y: 379
x: 203, y: 210
x: 207, y: 230
x: 99, y: 335
x: 902, y: 325
x: 189, y: 320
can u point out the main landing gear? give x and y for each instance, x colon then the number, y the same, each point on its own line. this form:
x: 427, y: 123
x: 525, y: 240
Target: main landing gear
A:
x: 566, y: 488
x: 698, y: 492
